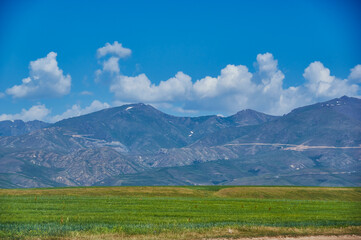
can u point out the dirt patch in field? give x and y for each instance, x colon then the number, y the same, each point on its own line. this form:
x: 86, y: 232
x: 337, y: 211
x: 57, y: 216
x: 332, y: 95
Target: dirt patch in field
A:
x: 108, y: 191
x: 296, y: 193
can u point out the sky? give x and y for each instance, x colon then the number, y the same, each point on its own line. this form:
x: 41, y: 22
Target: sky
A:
x: 60, y: 59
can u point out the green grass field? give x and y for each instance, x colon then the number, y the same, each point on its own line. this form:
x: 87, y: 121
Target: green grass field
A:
x: 178, y: 212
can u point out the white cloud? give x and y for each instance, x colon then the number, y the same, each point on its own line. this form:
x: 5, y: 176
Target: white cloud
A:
x: 115, y: 49
x: 86, y: 93
x: 76, y: 110
x: 235, y: 88
x: 45, y: 80
x: 322, y: 84
x: 140, y: 88
x: 271, y: 76
x: 266, y: 63
x: 37, y: 112
x: 40, y: 112
x: 111, y: 65
x: 232, y: 79
x: 355, y: 75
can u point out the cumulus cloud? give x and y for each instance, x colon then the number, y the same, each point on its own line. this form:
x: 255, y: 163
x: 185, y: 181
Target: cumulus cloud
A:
x: 235, y: 88
x: 232, y: 79
x: 76, y: 110
x: 115, y: 49
x: 322, y: 84
x: 267, y: 63
x: 271, y: 76
x: 37, y: 112
x: 355, y: 75
x: 110, y: 55
x: 40, y: 112
x: 45, y: 80
x: 140, y: 88
x: 111, y: 65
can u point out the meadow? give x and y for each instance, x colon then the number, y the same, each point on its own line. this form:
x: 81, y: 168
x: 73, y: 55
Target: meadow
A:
x: 178, y: 212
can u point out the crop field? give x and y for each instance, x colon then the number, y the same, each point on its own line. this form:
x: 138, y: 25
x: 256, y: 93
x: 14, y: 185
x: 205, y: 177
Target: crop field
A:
x: 178, y: 212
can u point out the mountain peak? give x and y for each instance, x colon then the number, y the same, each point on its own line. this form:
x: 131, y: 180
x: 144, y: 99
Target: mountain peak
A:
x: 135, y: 105
x: 344, y: 99
x: 250, y: 117
x: 19, y: 127
x: 247, y: 111
x: 139, y: 106
x: 120, y: 110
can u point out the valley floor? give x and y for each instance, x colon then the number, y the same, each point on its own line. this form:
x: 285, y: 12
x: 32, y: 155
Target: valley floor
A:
x: 197, y: 212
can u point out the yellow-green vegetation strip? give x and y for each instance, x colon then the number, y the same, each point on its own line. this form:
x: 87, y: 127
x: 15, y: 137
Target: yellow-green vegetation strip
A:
x: 176, y: 211
x: 216, y: 233
x: 295, y: 193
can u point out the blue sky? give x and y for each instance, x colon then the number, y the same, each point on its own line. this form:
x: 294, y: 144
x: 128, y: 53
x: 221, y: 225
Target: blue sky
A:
x: 184, y: 57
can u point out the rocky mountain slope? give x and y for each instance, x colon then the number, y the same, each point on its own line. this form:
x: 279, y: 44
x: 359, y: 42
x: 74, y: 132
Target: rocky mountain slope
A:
x: 137, y: 144
x: 19, y: 127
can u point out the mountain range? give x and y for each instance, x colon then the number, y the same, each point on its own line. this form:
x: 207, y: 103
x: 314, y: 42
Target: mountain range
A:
x: 19, y: 127
x: 136, y: 144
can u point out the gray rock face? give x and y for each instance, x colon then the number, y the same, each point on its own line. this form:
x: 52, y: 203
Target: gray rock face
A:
x: 138, y: 145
